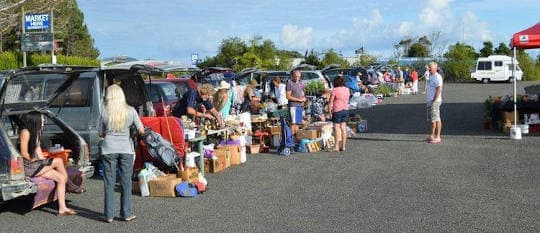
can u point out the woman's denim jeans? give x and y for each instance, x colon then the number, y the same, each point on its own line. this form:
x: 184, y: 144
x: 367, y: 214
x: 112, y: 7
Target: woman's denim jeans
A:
x: 124, y: 162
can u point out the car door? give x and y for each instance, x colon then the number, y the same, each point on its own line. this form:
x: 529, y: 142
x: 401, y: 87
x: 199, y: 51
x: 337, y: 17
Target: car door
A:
x: 498, y: 71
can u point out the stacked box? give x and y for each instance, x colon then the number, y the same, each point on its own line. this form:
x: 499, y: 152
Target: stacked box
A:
x: 235, y: 153
x: 190, y: 174
x: 221, y: 162
x: 253, y: 149
x: 163, y: 186
x: 274, y: 130
x: 307, y: 134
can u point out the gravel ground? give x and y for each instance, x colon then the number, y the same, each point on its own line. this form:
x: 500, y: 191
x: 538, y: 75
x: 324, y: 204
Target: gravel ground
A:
x: 389, y: 180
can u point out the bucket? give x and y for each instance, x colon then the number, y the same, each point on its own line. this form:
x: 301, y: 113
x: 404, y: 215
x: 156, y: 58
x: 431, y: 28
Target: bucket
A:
x: 524, y: 128
x: 515, y: 132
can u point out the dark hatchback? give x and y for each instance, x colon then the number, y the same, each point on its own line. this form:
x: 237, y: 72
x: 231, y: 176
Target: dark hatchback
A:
x: 18, y: 100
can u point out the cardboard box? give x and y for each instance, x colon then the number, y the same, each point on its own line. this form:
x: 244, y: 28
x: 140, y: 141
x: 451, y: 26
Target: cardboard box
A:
x: 224, y: 154
x: 307, y: 134
x: 253, y: 149
x: 135, y: 187
x: 508, y: 117
x: 219, y: 164
x: 274, y: 130
x: 164, y: 186
x: 190, y: 174
x: 235, y: 153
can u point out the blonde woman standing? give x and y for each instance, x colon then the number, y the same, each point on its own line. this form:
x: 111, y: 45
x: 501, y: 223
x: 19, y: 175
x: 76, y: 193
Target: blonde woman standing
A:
x: 117, y: 150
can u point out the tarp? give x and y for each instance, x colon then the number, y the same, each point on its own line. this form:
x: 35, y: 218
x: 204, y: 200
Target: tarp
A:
x: 527, y: 39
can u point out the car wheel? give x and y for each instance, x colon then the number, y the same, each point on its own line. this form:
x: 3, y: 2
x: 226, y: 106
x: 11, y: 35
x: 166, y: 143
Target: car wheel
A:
x: 511, y: 79
x: 485, y: 80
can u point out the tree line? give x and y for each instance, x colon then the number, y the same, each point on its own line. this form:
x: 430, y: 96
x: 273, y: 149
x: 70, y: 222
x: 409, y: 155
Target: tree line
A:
x: 457, y: 60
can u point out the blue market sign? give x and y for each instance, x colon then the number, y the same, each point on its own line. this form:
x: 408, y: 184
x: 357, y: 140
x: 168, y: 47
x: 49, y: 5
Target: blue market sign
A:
x: 37, y: 22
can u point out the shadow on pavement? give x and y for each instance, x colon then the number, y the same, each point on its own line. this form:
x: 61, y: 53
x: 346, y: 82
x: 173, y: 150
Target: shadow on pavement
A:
x: 458, y: 119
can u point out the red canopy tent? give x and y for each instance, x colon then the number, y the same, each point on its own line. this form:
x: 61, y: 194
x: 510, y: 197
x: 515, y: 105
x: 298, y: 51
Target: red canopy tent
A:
x: 526, y: 39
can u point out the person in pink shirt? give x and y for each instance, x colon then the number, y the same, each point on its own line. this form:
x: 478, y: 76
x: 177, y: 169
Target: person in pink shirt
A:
x: 414, y: 79
x: 339, y: 112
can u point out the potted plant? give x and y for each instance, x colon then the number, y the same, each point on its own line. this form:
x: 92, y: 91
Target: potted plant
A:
x: 315, y: 88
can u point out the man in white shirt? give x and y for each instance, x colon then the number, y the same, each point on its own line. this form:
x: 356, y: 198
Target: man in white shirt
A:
x: 434, y: 99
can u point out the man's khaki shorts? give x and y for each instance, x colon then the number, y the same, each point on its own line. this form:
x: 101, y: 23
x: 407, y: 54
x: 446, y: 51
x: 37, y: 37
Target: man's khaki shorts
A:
x: 434, y: 112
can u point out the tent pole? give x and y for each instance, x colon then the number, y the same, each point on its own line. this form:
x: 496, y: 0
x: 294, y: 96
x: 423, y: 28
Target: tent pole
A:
x: 515, y: 81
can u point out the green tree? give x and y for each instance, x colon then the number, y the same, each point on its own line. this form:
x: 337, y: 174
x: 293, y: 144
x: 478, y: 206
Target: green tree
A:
x: 487, y: 50
x: 365, y: 60
x: 331, y: 57
x: 459, y: 59
x: 312, y: 59
x: 418, y: 50
x: 527, y: 64
x: 403, y: 45
x: 229, y: 50
x: 503, y: 50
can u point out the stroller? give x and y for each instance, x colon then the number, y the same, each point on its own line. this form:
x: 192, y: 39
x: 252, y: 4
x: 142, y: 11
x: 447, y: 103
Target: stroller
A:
x: 161, y: 150
x: 287, y: 140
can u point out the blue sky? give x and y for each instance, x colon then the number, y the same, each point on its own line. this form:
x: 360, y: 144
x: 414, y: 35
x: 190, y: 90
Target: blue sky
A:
x: 174, y: 29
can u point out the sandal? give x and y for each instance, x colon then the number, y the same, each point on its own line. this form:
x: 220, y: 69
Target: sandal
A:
x: 130, y: 218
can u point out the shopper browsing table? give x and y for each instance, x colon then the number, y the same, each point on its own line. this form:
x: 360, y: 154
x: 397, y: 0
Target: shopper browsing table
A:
x: 196, y: 103
x: 296, y: 97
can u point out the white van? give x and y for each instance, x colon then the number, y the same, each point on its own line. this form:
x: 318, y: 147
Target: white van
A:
x: 496, y: 68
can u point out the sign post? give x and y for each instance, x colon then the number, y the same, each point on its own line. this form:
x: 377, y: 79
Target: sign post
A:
x: 37, y: 34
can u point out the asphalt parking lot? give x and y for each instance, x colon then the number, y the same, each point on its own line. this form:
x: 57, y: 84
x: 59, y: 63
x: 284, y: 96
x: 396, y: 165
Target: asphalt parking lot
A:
x: 389, y: 180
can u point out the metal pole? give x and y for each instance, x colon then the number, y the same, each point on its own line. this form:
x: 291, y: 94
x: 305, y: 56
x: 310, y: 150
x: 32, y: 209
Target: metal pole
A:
x: 53, y: 56
x: 22, y: 35
x: 515, y: 81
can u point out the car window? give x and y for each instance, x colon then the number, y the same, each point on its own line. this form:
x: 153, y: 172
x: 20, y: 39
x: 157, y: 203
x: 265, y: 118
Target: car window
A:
x: 181, y: 88
x: 484, y: 65
x: 77, y: 95
x: 40, y: 87
x: 153, y: 92
x: 32, y: 87
x: 169, y: 90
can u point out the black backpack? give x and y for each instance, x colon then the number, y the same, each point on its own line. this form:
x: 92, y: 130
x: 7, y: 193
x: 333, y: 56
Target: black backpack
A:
x: 161, y: 150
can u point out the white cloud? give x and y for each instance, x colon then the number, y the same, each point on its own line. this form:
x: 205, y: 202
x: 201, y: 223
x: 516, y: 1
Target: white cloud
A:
x: 371, y: 23
x: 436, y: 13
x: 363, y: 31
x: 405, y: 28
x: 473, y: 29
x: 295, y: 37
